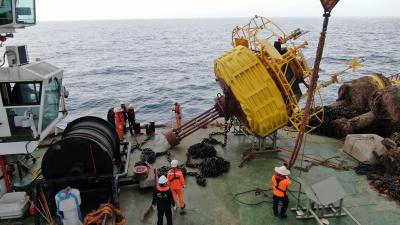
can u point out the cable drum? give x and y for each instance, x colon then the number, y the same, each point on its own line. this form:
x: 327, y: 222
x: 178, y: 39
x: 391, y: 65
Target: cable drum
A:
x: 88, y: 147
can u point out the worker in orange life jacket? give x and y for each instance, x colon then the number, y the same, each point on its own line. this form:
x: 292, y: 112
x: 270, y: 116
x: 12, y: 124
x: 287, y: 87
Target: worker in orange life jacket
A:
x: 177, y: 182
x: 178, y: 114
x: 162, y: 198
x: 125, y: 113
x: 281, y: 182
x: 119, y: 122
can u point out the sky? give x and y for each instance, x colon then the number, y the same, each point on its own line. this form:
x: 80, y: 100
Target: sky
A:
x: 48, y: 10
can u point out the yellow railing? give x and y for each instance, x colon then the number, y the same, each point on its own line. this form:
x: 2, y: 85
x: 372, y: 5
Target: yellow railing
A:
x: 278, y: 64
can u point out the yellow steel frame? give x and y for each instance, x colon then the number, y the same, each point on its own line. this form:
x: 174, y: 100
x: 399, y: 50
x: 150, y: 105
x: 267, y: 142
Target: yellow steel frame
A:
x: 395, y: 79
x: 293, y: 58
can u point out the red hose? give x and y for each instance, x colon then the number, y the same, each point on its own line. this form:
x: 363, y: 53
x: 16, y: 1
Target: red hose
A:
x: 5, y: 174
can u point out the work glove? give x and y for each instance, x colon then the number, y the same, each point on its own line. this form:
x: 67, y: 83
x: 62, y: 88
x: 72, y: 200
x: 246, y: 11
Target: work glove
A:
x: 153, y: 207
x: 175, y: 208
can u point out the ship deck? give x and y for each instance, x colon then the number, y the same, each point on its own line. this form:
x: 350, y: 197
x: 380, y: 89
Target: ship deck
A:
x: 216, y: 204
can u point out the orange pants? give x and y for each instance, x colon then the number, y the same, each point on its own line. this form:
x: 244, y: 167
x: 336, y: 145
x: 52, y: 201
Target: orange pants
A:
x: 120, y: 131
x: 178, y: 193
x: 178, y: 120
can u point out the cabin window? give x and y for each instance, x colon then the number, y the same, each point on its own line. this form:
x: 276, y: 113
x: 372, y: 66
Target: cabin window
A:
x: 25, y: 12
x: 21, y: 93
x: 6, y: 16
x: 51, y: 102
x: 23, y: 121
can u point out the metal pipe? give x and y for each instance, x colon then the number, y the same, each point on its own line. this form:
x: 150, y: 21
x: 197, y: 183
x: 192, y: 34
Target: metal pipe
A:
x: 310, y: 92
x: 126, y: 164
x: 316, y: 217
x: 351, y: 216
x: 199, y: 117
x: 199, y: 124
x: 199, y: 121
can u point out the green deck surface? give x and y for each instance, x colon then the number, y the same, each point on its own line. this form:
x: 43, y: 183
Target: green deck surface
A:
x: 215, y: 204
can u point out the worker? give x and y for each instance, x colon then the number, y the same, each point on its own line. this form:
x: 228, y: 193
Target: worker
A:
x: 162, y: 198
x: 131, y: 118
x: 125, y: 113
x: 176, y: 181
x: 119, y: 122
x: 178, y: 114
x: 111, y: 116
x: 281, y: 182
x: 278, y: 45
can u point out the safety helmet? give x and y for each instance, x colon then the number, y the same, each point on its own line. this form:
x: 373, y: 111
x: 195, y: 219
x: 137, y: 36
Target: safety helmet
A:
x: 174, y: 163
x: 130, y: 106
x: 162, y: 180
x: 282, y: 170
x: 118, y: 109
x: 110, y: 108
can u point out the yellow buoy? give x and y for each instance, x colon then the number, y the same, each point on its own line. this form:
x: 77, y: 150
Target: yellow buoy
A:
x: 253, y: 87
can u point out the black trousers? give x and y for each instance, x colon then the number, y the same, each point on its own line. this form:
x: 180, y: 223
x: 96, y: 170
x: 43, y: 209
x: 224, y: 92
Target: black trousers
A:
x: 275, y: 203
x: 130, y: 125
x: 168, y: 214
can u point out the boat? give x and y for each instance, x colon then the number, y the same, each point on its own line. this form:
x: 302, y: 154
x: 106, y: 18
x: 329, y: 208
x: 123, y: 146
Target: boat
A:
x: 262, y: 124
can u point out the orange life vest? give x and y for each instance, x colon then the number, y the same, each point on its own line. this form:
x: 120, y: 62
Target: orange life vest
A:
x: 178, y: 110
x: 280, y: 185
x: 161, y: 188
x: 119, y: 123
x: 175, y: 179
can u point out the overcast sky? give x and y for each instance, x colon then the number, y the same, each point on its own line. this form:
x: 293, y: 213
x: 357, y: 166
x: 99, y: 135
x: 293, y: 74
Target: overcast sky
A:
x: 146, y: 9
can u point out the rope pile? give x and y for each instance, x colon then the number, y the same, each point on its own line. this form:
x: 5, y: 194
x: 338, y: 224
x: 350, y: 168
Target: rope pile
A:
x: 388, y: 184
x: 385, y: 176
x: 96, y: 217
x: 211, y: 166
x: 149, y: 156
x: 212, y: 141
x: 201, y: 150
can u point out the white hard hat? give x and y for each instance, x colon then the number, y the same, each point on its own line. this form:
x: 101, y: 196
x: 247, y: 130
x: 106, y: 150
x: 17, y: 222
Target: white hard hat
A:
x: 174, y: 163
x: 162, y: 180
x: 282, y: 170
x: 130, y: 106
x: 121, y: 103
x: 118, y: 109
x: 110, y: 108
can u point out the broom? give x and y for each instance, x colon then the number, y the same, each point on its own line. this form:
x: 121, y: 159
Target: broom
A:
x: 147, y: 213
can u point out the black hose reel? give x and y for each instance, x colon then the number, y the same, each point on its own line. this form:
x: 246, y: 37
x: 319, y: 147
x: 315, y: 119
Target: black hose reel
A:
x: 88, y: 147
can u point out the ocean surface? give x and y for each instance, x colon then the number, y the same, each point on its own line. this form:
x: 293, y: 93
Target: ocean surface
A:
x: 154, y: 63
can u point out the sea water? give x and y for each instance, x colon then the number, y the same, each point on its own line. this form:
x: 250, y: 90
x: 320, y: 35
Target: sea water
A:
x: 154, y: 63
